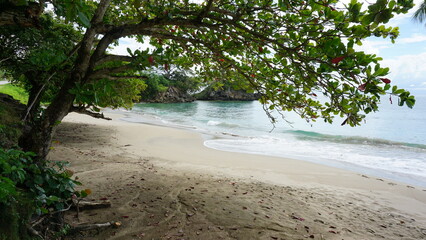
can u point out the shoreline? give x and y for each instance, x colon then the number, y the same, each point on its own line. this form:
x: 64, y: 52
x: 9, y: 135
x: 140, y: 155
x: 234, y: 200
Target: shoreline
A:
x: 111, y: 158
x: 403, y: 178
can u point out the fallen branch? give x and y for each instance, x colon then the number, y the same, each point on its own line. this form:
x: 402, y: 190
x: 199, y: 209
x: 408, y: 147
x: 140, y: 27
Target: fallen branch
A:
x: 97, y: 226
x: 85, y: 205
x: 34, y: 232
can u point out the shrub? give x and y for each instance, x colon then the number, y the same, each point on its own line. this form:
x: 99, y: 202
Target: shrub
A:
x: 30, y: 189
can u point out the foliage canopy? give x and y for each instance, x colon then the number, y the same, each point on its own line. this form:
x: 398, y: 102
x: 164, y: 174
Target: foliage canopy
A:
x: 298, y: 54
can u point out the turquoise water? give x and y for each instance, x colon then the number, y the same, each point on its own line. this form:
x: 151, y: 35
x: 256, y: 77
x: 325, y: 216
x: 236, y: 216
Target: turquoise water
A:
x: 390, y: 144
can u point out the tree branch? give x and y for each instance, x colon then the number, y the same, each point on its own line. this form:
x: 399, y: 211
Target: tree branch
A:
x: 100, y: 12
x: 109, y: 77
x: 205, y: 11
x: 24, y: 16
x: 107, y: 71
x: 133, y: 29
x: 83, y: 110
x: 110, y: 58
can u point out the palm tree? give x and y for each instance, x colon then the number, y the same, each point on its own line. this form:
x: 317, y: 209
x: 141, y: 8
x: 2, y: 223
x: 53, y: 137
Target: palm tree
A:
x: 420, y: 14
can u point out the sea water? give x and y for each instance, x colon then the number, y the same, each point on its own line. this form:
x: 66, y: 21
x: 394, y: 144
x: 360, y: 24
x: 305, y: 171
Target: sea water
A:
x: 390, y: 143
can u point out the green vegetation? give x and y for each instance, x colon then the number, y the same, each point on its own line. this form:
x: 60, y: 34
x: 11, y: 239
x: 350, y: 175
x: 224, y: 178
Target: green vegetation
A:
x: 158, y: 83
x: 28, y: 188
x: 17, y: 93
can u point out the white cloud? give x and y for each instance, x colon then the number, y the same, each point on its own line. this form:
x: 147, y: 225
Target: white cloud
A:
x: 125, y: 43
x: 415, y: 38
x: 407, y: 70
x: 373, y: 47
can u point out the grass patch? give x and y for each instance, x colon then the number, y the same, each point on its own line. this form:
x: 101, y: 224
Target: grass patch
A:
x: 16, y: 92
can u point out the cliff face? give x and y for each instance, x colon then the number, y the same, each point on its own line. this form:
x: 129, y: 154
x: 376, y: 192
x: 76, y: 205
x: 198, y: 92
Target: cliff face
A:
x: 226, y: 95
x: 172, y: 95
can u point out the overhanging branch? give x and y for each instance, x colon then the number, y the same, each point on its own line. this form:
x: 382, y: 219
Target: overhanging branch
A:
x: 108, y: 71
x: 109, y: 77
x: 110, y: 58
x: 83, y: 110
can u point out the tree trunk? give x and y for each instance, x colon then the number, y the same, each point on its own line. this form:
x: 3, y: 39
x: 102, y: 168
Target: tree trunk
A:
x: 38, y: 133
x: 24, y: 16
x: 34, y: 98
x: 37, y: 136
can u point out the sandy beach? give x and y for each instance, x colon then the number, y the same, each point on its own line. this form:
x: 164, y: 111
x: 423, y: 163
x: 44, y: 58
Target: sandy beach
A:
x: 163, y: 183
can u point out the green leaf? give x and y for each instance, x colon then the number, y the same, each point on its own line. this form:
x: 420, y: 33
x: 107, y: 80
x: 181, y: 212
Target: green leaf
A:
x: 83, y: 19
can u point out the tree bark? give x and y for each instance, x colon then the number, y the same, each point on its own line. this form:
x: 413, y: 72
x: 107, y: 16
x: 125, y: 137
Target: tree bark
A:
x: 35, y: 92
x: 37, y: 136
x: 24, y: 16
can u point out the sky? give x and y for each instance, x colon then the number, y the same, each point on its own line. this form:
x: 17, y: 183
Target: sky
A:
x: 406, y: 58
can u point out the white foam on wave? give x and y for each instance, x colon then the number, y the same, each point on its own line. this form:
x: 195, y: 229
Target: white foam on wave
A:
x: 388, y: 163
x: 213, y: 123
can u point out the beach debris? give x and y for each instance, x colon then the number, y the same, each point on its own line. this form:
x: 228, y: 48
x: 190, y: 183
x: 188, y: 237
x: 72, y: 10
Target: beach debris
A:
x: 319, y: 221
x: 86, y: 205
x: 297, y: 218
x: 86, y: 227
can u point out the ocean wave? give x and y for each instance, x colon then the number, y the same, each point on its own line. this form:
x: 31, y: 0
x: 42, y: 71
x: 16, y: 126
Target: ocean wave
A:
x: 390, y: 162
x: 315, y: 136
x: 222, y: 124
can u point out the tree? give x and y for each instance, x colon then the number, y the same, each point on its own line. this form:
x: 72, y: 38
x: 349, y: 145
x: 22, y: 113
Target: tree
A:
x: 36, y: 59
x: 289, y: 51
x: 26, y: 13
x: 420, y: 13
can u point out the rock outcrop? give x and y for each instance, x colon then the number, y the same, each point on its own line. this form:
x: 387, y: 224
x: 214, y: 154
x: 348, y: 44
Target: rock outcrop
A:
x: 226, y: 95
x: 171, y: 95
